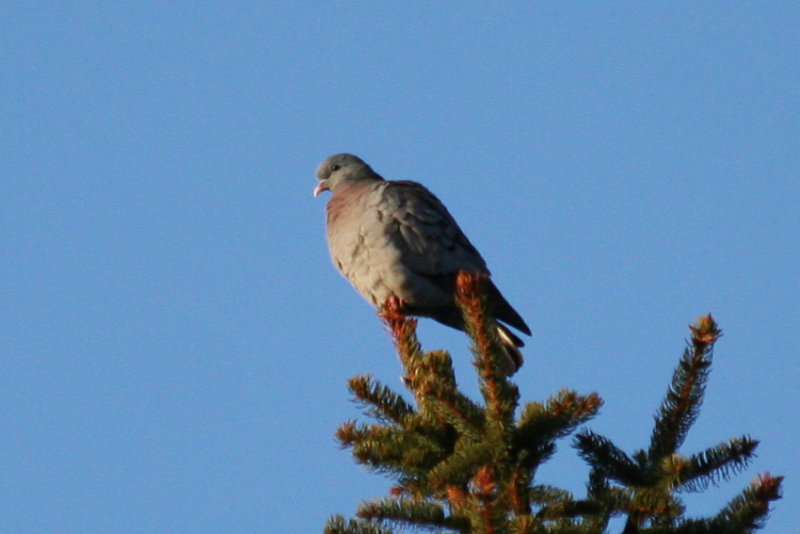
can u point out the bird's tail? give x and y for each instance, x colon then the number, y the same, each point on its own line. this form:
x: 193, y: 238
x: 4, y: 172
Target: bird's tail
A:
x: 510, y: 344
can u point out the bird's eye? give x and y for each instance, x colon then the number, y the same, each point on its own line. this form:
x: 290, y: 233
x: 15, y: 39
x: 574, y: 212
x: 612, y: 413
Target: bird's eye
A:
x: 335, y: 167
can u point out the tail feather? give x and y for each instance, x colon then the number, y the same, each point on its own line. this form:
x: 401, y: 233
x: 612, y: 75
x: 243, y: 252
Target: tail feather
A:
x: 510, y: 344
x: 504, y: 312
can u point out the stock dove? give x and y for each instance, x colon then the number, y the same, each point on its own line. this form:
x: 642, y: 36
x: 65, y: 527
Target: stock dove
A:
x: 395, y: 238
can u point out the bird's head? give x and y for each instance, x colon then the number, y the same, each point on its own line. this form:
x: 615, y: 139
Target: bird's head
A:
x: 342, y: 168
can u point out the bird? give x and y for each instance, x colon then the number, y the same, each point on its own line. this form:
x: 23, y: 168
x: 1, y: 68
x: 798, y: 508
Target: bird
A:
x: 396, y: 239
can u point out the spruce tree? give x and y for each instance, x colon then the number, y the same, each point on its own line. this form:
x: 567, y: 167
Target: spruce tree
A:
x: 466, y: 466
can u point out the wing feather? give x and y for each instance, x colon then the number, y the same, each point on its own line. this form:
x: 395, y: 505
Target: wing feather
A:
x: 430, y: 239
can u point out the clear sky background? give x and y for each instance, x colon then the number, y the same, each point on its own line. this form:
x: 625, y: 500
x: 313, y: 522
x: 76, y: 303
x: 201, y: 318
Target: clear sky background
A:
x: 174, y: 341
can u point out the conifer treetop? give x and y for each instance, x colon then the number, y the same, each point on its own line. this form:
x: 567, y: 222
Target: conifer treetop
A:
x: 469, y: 466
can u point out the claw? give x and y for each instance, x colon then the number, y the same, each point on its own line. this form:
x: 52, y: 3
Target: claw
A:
x: 393, y: 309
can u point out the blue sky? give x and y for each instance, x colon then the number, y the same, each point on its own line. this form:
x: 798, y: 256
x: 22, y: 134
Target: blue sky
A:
x: 175, y: 342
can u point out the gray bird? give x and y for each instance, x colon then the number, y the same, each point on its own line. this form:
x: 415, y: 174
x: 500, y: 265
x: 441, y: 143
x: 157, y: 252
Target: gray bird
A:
x: 395, y: 238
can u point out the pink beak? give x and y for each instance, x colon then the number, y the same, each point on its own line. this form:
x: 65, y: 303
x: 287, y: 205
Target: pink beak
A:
x: 322, y: 186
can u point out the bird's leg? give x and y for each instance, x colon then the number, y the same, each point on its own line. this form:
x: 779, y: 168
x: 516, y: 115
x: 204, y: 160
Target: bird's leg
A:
x: 392, y: 309
x: 402, y: 329
x: 394, y: 317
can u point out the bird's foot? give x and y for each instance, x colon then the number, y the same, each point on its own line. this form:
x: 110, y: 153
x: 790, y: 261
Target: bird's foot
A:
x: 392, y: 309
x: 394, y: 316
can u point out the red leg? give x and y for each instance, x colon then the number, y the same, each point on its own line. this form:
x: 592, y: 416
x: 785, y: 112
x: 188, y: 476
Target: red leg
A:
x: 392, y: 309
